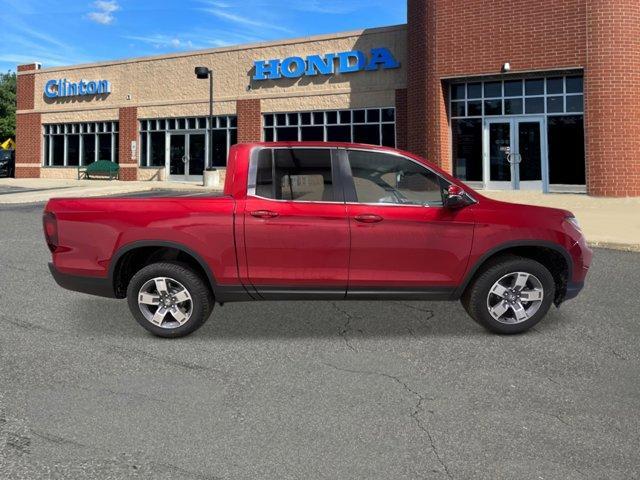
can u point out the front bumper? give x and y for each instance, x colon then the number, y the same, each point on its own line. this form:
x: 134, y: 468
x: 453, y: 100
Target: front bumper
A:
x: 98, y: 286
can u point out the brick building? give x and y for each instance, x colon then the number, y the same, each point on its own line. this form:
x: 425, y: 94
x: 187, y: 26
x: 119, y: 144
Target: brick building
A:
x: 504, y: 94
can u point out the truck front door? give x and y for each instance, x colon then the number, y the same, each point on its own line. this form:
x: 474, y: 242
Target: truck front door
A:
x: 295, y: 225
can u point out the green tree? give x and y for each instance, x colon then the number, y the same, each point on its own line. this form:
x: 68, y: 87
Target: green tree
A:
x: 7, y: 106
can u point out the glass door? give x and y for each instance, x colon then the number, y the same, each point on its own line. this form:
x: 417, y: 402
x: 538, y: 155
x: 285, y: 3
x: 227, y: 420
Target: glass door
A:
x: 498, y: 143
x: 177, y: 161
x: 514, y: 154
x: 529, y: 153
x: 187, y: 156
x: 196, y: 157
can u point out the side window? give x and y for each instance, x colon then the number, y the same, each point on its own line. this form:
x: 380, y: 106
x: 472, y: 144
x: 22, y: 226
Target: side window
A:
x: 295, y: 174
x: 384, y: 178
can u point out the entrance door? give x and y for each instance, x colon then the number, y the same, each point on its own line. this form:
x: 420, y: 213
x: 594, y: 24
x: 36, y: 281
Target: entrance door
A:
x: 187, y: 156
x: 514, y: 154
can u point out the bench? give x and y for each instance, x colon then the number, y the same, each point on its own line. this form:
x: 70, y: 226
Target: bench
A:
x: 101, y: 168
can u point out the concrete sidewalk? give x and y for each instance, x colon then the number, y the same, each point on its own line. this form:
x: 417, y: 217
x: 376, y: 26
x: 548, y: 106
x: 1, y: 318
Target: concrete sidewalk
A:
x: 606, y: 222
x: 35, y: 190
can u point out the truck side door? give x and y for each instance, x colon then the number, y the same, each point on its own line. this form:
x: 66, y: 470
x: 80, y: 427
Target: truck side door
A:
x: 295, y: 226
x: 402, y: 237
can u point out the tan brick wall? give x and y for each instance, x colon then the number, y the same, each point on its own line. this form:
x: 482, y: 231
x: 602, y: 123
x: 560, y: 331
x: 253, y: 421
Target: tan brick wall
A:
x: 249, y: 121
x: 175, y: 86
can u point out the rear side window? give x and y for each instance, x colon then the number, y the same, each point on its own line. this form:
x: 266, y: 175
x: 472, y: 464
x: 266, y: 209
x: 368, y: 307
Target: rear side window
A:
x: 295, y: 174
x: 392, y: 179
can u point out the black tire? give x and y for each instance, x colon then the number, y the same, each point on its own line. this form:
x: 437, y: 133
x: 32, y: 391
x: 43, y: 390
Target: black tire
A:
x: 201, y: 302
x: 475, y: 297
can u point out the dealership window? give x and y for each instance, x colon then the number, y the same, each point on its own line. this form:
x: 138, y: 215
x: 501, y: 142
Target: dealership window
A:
x: 75, y: 144
x: 154, y: 132
x: 295, y: 174
x: 559, y: 99
x: 375, y: 126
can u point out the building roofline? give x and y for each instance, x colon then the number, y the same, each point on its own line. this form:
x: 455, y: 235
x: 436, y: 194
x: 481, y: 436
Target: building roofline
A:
x: 232, y: 48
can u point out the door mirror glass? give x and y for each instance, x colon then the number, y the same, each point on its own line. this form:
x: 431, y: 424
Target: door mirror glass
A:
x: 455, y: 197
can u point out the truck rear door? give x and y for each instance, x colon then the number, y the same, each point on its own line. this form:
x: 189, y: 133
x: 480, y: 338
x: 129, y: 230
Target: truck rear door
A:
x: 296, y: 229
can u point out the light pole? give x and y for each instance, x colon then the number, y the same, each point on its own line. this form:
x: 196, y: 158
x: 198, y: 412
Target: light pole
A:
x: 203, y: 73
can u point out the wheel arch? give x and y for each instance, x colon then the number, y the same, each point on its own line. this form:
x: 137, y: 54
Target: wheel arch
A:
x: 552, y: 255
x: 120, y: 271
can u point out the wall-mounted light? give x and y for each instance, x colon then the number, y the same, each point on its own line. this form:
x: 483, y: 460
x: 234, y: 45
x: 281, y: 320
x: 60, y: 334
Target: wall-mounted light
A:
x: 506, y: 67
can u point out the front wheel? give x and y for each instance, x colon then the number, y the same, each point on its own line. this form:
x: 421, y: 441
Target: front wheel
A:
x: 511, y: 295
x: 169, y: 299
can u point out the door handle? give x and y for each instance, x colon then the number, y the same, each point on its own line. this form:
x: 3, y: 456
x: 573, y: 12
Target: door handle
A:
x: 368, y: 218
x: 264, y: 214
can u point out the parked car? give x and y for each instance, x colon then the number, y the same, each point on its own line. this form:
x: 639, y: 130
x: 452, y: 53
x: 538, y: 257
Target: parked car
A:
x: 7, y: 163
x: 319, y: 221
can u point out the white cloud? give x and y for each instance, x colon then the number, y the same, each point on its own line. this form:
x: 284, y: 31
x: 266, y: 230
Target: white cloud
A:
x: 164, y: 41
x: 245, y: 21
x: 104, y: 10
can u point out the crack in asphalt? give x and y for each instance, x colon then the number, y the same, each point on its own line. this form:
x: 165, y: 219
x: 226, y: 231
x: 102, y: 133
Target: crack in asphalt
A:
x: 346, y: 327
x: 415, y: 414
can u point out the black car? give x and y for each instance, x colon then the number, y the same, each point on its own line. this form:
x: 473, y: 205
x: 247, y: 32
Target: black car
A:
x: 7, y: 163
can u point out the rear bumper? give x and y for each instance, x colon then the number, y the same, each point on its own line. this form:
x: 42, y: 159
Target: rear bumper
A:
x: 92, y: 285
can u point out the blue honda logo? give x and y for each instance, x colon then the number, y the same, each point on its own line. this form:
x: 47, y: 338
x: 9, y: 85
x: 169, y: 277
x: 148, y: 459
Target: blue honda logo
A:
x: 328, y: 64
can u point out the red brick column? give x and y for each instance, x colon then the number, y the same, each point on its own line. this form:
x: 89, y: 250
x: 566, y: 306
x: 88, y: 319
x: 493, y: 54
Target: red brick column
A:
x: 28, y: 126
x: 612, y: 98
x: 417, y: 77
x: 249, y: 120
x: 128, y: 125
x: 401, y: 118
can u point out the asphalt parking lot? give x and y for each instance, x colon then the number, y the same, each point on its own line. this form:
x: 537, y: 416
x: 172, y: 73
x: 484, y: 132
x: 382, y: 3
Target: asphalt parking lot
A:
x: 389, y: 390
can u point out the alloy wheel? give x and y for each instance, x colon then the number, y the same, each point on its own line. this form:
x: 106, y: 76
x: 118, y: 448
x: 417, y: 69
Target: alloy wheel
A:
x: 165, y: 302
x: 515, y: 297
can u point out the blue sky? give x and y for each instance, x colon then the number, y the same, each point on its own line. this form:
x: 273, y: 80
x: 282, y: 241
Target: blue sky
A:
x: 70, y: 32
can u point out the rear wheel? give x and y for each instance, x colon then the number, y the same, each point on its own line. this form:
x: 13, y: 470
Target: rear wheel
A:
x: 510, y: 295
x: 169, y: 299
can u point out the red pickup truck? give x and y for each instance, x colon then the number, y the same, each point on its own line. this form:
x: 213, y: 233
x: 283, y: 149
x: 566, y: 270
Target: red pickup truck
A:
x: 319, y: 221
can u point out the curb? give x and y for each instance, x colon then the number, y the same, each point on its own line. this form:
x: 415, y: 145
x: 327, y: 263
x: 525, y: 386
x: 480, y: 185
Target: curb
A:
x: 624, y: 247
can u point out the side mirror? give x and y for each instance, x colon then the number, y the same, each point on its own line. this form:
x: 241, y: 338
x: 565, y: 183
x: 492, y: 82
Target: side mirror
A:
x: 455, y: 197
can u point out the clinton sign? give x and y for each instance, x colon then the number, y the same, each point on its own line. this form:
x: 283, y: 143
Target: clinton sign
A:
x: 328, y: 64
x: 65, y: 88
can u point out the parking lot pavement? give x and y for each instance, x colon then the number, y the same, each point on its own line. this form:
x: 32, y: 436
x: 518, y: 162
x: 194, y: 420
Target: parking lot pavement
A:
x: 387, y: 390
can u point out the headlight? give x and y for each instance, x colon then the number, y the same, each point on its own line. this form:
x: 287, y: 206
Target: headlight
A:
x: 574, y: 221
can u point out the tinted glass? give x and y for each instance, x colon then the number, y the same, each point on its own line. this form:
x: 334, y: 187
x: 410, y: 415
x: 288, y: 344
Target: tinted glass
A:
x: 457, y: 109
x: 156, y: 149
x: 373, y: 115
x: 391, y: 179
x: 467, y: 149
x: 555, y: 104
x: 332, y: 117
x: 493, y: 107
x: 555, y: 85
x: 513, y: 106
x: 345, y: 116
x: 339, y: 134
x: 73, y: 150
x: 575, y: 103
x: 388, y: 115
x: 534, y: 86
x: 359, y: 116
x: 287, y: 134
x: 88, y: 149
x: 474, y: 90
x: 534, y: 105
x: 513, y: 88
x: 366, y: 134
x: 298, y: 174
x: 474, y: 107
x: 58, y: 150
x: 575, y: 84
x: 492, y: 89
x: 457, y: 92
x: 305, y: 118
x: 389, y: 135
x: 309, y: 134
x: 566, y: 150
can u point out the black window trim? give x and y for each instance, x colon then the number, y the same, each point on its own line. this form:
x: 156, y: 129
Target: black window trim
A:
x: 336, y: 176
